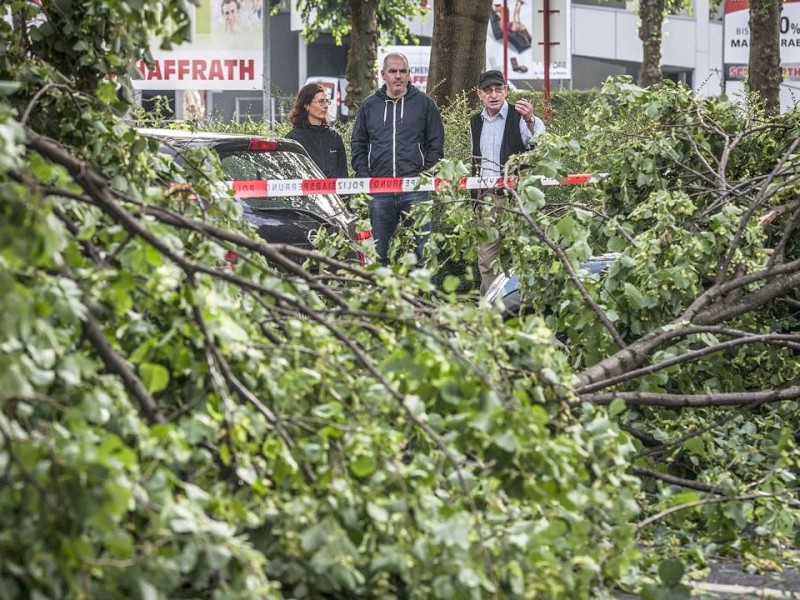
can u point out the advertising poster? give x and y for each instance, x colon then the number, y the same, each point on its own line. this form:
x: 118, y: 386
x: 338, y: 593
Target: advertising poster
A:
x: 225, y: 52
x: 521, y: 15
x: 736, y: 54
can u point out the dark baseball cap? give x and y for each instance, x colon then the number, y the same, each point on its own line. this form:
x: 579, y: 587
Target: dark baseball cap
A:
x: 493, y: 77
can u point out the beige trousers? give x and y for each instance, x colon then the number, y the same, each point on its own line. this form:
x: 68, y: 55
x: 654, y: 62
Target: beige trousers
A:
x: 489, y: 252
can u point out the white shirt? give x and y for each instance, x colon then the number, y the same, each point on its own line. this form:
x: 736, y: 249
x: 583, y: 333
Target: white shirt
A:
x: 492, y: 138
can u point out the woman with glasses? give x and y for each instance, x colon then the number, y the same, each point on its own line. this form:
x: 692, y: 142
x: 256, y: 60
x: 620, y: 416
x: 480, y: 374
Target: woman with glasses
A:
x: 324, y: 145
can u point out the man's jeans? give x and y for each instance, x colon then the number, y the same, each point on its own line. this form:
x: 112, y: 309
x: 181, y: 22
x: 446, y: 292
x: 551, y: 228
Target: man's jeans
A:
x: 386, y: 212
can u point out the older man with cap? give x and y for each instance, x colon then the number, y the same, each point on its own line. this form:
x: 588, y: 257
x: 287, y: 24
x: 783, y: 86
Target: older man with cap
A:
x: 497, y: 133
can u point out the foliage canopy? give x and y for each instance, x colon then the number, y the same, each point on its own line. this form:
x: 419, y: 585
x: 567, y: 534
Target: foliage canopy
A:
x: 170, y: 428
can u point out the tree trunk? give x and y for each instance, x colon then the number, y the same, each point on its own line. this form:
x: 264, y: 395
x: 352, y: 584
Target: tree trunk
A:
x: 458, y: 48
x: 651, y: 16
x: 764, y: 74
x: 363, y: 54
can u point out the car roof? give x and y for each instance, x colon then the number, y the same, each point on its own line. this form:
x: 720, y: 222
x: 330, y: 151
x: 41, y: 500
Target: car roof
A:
x: 187, y: 134
x: 184, y: 137
x: 325, y: 78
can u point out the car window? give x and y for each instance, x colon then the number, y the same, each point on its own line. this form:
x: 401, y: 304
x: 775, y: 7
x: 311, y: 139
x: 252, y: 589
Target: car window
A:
x: 280, y: 165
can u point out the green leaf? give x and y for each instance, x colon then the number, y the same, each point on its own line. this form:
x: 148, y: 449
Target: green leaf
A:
x: 154, y: 376
x: 148, y: 591
x: 119, y: 497
x: 568, y: 229
x: 696, y: 446
x: 453, y: 533
x: 533, y: 198
x: 247, y: 475
x: 143, y: 351
x: 506, y: 441
x: 451, y: 283
x: 616, y: 407
x: 671, y: 572
x: 635, y: 297
x: 41, y: 169
x: 363, y: 466
x: 106, y: 91
x: 120, y: 543
x: 377, y: 513
x: 9, y: 87
x: 316, y: 536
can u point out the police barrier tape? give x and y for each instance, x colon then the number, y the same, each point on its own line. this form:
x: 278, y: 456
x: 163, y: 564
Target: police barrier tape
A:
x: 259, y: 188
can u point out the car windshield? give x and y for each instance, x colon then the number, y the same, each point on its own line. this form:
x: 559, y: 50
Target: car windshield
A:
x: 280, y: 165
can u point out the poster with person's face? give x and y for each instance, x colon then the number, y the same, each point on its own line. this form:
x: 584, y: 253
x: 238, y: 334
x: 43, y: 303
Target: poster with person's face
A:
x: 236, y: 16
x: 225, y: 52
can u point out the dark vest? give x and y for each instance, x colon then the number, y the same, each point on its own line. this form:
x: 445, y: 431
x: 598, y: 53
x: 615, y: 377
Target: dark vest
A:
x: 512, y: 138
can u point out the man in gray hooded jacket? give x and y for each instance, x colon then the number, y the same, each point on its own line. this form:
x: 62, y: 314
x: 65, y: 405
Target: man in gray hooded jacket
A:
x: 398, y: 132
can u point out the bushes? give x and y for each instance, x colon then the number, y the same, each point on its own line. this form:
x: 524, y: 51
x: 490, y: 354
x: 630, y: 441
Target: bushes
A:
x: 171, y: 428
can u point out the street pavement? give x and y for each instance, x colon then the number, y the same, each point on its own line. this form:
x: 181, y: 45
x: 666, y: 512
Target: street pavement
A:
x: 727, y: 580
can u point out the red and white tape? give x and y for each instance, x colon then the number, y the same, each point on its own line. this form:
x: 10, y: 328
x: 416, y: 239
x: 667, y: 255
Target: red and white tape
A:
x: 258, y: 188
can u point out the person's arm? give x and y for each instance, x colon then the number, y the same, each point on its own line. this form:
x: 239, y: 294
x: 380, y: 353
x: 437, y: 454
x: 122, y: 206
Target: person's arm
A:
x: 531, y: 129
x: 341, y: 157
x: 435, y: 137
x: 359, y: 144
x: 530, y: 126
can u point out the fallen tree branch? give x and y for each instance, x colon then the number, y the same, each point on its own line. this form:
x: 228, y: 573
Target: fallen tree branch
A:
x: 788, y: 340
x: 705, y: 502
x: 692, y: 400
x: 116, y: 364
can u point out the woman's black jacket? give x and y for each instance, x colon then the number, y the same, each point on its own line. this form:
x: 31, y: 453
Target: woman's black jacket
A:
x: 325, y: 147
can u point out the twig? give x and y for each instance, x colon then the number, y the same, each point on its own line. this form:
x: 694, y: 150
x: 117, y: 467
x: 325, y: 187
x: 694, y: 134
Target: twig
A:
x: 706, y: 501
x: 116, y: 364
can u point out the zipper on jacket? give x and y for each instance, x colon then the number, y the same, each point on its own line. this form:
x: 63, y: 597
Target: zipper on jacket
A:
x: 394, y: 139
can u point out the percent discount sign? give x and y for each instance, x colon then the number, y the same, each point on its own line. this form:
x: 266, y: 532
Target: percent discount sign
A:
x: 736, y: 54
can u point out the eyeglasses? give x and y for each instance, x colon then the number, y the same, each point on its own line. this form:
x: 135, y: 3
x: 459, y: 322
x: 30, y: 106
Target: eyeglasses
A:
x: 322, y: 102
x: 495, y: 89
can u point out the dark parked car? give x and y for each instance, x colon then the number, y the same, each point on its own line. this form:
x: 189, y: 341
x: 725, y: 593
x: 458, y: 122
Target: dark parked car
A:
x: 507, y: 289
x: 294, y: 220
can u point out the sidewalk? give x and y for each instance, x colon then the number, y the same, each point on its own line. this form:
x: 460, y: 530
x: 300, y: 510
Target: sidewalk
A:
x: 726, y: 580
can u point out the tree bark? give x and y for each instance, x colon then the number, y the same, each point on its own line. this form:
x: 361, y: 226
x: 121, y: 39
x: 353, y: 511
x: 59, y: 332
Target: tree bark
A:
x: 363, y: 54
x: 651, y: 16
x: 764, y: 76
x: 458, y: 48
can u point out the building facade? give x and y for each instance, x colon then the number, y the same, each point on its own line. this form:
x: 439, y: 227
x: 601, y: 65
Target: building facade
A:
x: 602, y: 41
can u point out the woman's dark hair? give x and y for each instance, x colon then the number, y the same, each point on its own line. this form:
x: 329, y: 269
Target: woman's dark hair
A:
x: 299, y: 115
